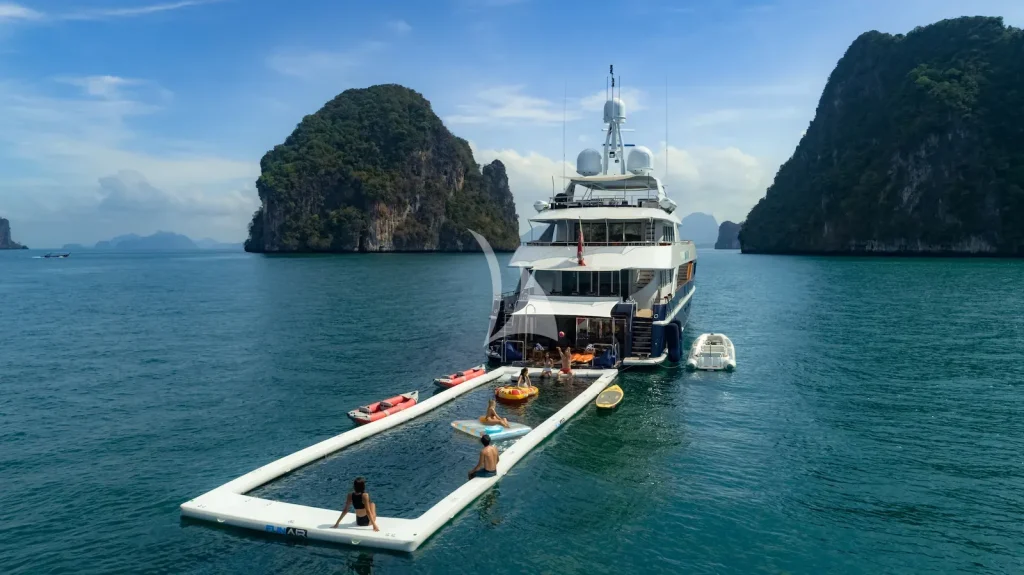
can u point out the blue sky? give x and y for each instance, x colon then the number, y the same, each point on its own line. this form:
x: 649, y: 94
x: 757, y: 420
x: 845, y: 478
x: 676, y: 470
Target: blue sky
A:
x: 135, y: 116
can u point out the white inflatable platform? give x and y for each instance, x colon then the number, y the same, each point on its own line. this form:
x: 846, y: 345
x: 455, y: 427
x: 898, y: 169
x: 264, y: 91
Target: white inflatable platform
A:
x: 229, y: 505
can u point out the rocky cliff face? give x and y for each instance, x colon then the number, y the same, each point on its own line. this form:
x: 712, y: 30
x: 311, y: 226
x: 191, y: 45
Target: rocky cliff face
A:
x: 700, y: 228
x: 376, y: 170
x: 728, y: 236
x: 917, y: 146
x: 6, y: 243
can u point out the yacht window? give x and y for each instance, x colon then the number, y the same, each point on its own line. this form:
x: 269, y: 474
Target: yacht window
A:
x: 569, y: 285
x: 587, y: 284
x: 598, y: 232
x: 668, y: 232
x: 545, y: 280
x: 561, y: 232
x: 605, y: 283
x: 632, y: 232
x: 615, y: 231
x: 545, y: 234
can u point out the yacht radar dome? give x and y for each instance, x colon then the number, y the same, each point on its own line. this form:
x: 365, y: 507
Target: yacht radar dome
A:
x: 614, y: 111
x: 541, y: 205
x: 588, y: 163
x: 639, y: 161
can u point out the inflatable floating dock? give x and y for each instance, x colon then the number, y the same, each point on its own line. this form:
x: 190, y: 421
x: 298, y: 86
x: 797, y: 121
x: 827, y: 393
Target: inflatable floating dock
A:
x: 229, y: 504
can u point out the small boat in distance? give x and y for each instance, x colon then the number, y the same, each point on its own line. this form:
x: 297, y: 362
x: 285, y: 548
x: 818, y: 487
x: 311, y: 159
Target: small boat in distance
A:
x: 712, y: 352
x: 57, y: 255
x: 382, y: 409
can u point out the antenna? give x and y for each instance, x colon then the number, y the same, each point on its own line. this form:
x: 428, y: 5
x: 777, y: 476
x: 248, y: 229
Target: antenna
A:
x: 565, y: 96
x: 665, y: 176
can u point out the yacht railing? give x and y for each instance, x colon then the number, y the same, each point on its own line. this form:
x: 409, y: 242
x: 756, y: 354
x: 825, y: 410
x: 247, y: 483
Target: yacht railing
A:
x: 606, y: 244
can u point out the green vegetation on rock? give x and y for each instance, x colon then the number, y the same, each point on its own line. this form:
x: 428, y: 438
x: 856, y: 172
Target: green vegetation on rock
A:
x: 917, y: 146
x: 376, y: 170
x: 6, y: 243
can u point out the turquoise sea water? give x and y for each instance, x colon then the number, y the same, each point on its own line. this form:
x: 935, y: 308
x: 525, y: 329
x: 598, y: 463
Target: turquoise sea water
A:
x: 875, y: 423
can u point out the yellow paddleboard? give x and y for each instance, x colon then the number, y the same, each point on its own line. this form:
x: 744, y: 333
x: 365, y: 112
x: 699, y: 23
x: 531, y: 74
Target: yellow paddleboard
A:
x: 609, y: 398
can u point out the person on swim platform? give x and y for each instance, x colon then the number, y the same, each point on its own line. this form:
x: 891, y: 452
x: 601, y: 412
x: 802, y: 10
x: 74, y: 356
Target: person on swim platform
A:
x: 359, y: 499
x: 487, y: 465
x: 492, y: 417
x: 548, y: 367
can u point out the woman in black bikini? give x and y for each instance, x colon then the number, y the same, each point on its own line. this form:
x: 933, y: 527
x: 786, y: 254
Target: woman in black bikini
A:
x: 359, y: 499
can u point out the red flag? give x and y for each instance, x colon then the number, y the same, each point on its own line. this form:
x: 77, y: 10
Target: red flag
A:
x: 579, y: 247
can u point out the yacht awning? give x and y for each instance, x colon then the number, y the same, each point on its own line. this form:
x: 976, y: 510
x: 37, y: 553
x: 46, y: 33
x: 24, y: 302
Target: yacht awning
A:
x: 580, y: 307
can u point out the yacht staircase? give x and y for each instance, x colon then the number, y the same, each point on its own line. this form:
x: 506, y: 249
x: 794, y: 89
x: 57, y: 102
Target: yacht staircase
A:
x: 641, y: 337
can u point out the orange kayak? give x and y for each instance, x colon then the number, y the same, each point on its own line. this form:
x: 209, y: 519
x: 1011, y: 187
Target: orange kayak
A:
x: 384, y: 408
x: 460, y: 377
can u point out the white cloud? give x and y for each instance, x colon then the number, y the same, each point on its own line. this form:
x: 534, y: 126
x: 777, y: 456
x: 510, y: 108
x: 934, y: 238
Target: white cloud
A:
x: 11, y: 12
x: 312, y: 64
x: 509, y: 104
x: 734, y: 115
x: 105, y: 13
x: 74, y: 142
x: 129, y: 192
x: 101, y: 86
x: 725, y: 182
x: 529, y: 177
x: 399, y: 26
x: 17, y: 12
x: 632, y: 97
x: 504, y: 104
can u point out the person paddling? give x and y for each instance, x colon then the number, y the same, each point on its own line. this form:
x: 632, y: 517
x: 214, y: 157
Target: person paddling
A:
x: 359, y: 499
x: 487, y: 465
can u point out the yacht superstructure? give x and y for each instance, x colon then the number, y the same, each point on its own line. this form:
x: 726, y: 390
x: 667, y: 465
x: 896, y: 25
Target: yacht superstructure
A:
x: 608, y: 274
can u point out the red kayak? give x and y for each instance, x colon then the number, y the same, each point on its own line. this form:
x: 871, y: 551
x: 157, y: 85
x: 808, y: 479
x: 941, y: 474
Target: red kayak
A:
x: 382, y: 409
x: 460, y: 377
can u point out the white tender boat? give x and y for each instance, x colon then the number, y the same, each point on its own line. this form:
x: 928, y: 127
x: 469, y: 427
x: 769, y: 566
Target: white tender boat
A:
x: 712, y: 352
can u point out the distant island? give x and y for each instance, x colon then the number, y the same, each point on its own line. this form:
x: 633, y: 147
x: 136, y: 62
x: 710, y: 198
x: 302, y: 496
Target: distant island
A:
x: 160, y: 241
x: 375, y: 170
x: 728, y: 236
x: 6, y: 243
x: 700, y: 228
x: 917, y: 147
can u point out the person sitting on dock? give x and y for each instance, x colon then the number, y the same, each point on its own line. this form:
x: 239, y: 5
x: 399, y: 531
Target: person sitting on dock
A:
x: 492, y: 417
x: 359, y: 499
x: 524, y: 378
x: 487, y: 465
x: 548, y: 367
x: 566, y: 370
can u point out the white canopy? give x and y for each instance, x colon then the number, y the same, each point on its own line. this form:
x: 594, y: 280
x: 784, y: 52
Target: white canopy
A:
x: 570, y: 306
x: 603, y: 213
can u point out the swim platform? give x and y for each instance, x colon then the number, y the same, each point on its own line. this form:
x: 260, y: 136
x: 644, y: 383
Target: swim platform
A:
x: 229, y: 504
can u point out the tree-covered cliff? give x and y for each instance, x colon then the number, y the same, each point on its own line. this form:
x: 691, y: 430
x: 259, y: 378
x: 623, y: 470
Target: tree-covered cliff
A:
x: 6, y: 243
x: 376, y: 170
x: 917, y: 146
x: 728, y: 236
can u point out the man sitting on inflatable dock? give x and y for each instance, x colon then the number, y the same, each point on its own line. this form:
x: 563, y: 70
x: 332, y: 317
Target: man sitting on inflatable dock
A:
x: 488, y: 460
